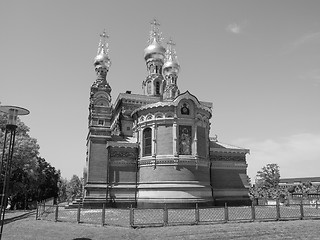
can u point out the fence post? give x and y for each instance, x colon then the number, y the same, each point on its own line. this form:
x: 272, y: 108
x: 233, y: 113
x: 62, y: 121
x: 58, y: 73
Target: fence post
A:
x: 78, y: 214
x: 253, y: 212
x: 165, y: 215
x: 278, y: 210
x: 37, y: 211
x: 103, y: 214
x: 131, y: 216
x: 301, y: 210
x: 226, y: 213
x: 197, y: 215
x: 56, y: 213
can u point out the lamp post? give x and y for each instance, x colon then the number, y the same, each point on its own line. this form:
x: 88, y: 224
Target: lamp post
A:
x: 7, y: 153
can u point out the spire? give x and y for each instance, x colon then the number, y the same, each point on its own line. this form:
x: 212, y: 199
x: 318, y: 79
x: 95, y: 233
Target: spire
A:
x: 102, y: 57
x: 154, y: 55
x: 155, y: 51
x: 171, y: 55
x: 102, y: 62
x: 103, y: 47
x: 170, y: 72
x: 171, y: 65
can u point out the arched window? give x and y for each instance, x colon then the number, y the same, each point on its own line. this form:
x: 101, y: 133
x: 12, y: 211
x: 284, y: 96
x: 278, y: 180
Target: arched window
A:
x: 157, y: 88
x: 147, y: 142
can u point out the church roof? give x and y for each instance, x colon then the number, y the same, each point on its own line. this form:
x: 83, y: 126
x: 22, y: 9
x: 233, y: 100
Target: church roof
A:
x: 216, y: 146
x: 119, y: 141
x: 186, y: 95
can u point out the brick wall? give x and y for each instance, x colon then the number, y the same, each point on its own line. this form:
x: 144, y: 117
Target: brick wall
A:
x: 164, y: 140
x: 202, y: 141
x: 97, y: 162
x: 123, y: 174
x: 171, y: 173
x: 227, y: 178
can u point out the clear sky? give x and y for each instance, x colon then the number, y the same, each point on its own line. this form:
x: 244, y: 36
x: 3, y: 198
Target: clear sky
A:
x: 257, y: 61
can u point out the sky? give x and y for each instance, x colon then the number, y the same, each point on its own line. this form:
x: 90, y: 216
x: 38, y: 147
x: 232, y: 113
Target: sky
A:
x: 257, y: 61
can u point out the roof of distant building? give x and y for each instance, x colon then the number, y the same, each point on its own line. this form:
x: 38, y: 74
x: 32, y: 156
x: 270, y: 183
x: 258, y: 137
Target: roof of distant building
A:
x: 299, y: 180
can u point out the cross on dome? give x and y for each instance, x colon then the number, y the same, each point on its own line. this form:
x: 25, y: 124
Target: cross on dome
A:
x: 155, y: 33
x: 103, y: 44
x: 171, y: 53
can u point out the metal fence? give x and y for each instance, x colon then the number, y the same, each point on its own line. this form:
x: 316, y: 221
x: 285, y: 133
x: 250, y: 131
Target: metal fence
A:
x: 141, y: 217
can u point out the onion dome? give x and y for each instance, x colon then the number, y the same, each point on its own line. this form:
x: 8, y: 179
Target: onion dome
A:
x: 102, y: 59
x: 155, y: 50
x: 171, y: 65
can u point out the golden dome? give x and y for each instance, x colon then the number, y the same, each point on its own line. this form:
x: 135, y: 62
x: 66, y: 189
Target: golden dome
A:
x: 154, y: 50
x: 102, y: 59
x: 170, y: 67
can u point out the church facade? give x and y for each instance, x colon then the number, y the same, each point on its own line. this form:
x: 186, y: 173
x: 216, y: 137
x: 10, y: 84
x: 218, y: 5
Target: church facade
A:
x: 154, y: 148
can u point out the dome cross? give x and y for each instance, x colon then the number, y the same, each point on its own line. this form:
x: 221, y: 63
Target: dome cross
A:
x: 155, y: 34
x: 103, y: 44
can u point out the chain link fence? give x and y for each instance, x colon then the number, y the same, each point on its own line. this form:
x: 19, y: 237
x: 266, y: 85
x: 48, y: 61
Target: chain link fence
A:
x: 141, y: 217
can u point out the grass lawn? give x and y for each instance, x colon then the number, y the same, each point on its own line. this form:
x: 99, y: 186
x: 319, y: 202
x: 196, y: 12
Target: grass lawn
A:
x: 29, y: 228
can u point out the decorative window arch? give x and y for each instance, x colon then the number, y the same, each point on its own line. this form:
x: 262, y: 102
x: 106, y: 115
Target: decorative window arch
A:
x: 169, y: 115
x: 159, y: 115
x: 149, y: 117
x: 147, y: 142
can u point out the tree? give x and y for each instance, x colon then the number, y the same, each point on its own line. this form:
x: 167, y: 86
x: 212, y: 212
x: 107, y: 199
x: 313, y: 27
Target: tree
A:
x: 32, y: 178
x: 267, y: 183
x: 62, y: 185
x: 269, y: 176
x: 74, y: 188
x: 48, y: 179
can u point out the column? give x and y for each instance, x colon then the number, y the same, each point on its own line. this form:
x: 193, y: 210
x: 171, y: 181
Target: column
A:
x: 174, y: 135
x: 154, y: 139
x: 141, y: 141
x: 195, y: 140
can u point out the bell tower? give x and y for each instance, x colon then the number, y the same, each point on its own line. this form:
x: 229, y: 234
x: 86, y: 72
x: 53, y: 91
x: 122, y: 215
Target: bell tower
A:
x: 154, y: 56
x: 100, y: 113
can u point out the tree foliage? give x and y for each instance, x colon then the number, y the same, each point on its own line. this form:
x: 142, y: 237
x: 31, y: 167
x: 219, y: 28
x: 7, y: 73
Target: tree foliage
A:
x: 62, y: 185
x: 267, y: 183
x: 32, y: 178
x: 74, y: 188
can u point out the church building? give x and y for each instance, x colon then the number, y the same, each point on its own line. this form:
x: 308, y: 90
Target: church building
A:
x: 154, y: 148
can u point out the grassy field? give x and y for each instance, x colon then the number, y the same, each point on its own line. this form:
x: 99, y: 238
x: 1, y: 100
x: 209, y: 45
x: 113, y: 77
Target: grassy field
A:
x: 26, y: 227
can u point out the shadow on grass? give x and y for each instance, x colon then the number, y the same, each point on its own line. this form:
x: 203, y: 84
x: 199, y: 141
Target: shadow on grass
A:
x: 82, y: 239
x: 16, y: 218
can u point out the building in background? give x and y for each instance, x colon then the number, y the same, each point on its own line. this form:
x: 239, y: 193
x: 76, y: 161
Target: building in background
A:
x: 154, y: 148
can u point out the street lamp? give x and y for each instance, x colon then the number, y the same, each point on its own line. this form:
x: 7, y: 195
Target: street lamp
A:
x: 7, y: 153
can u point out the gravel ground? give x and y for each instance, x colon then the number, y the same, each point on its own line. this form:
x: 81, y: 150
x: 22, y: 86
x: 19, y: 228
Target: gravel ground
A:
x: 27, y: 227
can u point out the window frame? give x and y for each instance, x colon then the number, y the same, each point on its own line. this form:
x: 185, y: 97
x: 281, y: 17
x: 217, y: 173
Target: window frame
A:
x: 147, y: 142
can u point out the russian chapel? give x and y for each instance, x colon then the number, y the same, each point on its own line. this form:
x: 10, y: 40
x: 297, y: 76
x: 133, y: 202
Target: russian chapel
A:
x: 154, y: 148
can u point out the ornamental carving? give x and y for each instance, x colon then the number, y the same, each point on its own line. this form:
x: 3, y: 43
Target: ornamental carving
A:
x: 185, y: 134
x: 228, y: 158
x: 185, y: 109
x: 122, y: 154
